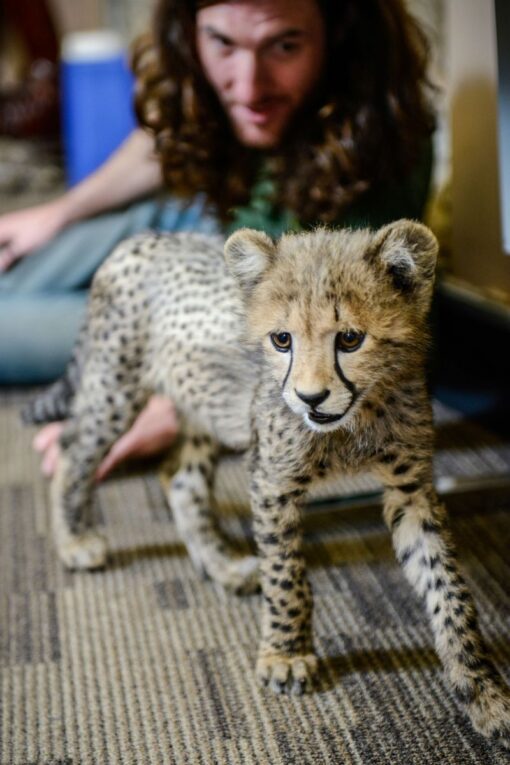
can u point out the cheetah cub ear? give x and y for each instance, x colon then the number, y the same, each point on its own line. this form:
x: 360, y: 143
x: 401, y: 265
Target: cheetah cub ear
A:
x: 248, y: 253
x: 407, y: 251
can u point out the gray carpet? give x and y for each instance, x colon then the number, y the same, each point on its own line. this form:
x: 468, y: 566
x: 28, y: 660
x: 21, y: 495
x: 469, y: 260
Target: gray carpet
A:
x: 146, y: 663
x: 30, y: 172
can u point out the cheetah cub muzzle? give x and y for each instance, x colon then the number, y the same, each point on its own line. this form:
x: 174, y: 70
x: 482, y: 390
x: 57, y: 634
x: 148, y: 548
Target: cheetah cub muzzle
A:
x: 309, y: 354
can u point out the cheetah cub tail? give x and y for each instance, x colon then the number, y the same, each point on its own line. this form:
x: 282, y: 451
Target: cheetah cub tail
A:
x: 54, y: 403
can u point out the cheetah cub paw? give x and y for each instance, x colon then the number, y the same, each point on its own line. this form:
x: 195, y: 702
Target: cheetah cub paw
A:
x: 239, y: 575
x: 287, y: 674
x: 243, y: 576
x: 490, y: 714
x: 85, y: 551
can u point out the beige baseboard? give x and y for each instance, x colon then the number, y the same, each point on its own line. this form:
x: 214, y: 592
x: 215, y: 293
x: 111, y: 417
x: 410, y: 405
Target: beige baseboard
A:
x: 493, y: 302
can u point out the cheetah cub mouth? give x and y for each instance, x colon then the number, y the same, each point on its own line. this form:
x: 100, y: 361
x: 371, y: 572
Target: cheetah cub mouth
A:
x: 322, y: 419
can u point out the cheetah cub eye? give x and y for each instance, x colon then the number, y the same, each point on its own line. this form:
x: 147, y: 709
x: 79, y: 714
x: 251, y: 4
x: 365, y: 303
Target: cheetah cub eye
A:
x: 349, y: 341
x: 282, y: 341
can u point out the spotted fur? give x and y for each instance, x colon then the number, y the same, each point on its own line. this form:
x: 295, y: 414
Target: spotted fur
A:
x: 308, y: 353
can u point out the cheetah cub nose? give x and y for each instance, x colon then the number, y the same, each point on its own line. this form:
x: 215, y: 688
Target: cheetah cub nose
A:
x: 313, y: 399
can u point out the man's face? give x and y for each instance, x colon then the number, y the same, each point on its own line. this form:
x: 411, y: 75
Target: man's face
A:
x: 263, y: 59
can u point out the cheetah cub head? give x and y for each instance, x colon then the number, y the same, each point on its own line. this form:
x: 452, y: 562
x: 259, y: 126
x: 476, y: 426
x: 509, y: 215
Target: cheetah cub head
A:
x: 341, y: 314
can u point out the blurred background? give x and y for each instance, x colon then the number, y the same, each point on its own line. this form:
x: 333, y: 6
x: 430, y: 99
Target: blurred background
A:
x: 469, y: 208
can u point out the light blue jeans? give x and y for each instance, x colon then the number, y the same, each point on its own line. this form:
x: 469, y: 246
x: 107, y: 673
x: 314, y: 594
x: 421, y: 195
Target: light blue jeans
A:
x: 43, y: 297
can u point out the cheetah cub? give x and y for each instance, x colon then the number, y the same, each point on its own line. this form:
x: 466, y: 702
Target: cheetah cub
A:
x: 308, y: 353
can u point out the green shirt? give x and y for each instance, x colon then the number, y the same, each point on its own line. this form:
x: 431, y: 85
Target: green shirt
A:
x: 399, y: 199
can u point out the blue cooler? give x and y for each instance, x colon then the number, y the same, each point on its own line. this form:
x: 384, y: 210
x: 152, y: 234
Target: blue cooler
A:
x: 97, y: 100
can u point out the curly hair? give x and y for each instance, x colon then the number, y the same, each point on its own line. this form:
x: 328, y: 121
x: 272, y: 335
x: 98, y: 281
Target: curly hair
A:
x: 365, y: 125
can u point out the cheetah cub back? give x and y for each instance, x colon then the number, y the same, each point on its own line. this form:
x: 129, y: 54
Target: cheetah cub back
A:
x: 308, y: 352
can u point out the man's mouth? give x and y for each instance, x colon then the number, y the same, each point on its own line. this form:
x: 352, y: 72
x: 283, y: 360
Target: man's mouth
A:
x: 257, y: 114
x: 323, y: 419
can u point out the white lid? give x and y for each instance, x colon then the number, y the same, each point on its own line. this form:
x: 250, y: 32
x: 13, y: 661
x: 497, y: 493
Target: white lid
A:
x: 96, y: 44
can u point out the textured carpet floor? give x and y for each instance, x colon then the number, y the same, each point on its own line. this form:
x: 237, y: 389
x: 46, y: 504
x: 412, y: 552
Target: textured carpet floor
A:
x: 146, y: 663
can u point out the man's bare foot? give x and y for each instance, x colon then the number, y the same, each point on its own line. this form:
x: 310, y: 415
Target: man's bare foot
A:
x: 153, y: 431
x: 46, y: 442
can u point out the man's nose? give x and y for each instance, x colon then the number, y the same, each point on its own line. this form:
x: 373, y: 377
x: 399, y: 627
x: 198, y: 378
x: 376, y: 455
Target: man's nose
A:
x: 249, y: 79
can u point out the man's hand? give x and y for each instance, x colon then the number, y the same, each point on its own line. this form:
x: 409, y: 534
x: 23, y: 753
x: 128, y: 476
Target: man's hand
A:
x: 23, y: 231
x: 152, y: 432
x: 131, y: 173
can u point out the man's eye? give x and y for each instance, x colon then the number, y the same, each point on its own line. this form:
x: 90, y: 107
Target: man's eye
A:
x: 349, y: 341
x: 223, y: 43
x: 285, y: 48
x: 282, y: 341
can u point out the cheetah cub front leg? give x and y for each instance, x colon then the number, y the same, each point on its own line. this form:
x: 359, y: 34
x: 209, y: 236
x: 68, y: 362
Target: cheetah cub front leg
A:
x: 190, y: 498
x: 286, y: 659
x: 425, y: 550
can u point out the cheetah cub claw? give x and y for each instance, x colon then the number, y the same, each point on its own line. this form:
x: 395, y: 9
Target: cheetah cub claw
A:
x: 287, y: 674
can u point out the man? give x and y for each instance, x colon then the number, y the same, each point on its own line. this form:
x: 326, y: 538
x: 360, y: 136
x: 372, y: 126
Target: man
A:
x: 270, y: 113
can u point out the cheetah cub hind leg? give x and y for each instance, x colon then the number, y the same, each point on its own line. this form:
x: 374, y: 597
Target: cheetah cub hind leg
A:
x: 83, y: 549
x: 190, y: 499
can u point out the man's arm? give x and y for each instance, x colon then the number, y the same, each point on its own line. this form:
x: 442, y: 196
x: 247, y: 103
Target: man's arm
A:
x: 132, y: 172
x: 129, y: 174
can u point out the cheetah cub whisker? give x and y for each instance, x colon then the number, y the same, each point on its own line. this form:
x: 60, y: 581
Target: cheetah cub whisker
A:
x: 309, y: 354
